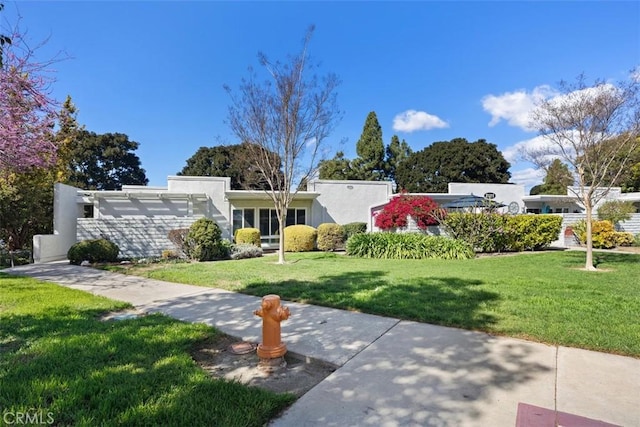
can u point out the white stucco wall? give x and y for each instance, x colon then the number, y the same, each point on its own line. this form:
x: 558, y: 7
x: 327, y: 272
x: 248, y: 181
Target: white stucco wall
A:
x: 343, y: 202
x: 54, y: 247
x: 218, y: 208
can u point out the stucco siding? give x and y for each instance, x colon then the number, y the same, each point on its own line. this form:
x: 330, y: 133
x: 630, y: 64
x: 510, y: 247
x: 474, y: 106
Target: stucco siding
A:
x: 343, y: 202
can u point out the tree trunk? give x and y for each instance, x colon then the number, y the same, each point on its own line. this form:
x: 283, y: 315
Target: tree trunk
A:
x: 281, y: 221
x: 589, y: 262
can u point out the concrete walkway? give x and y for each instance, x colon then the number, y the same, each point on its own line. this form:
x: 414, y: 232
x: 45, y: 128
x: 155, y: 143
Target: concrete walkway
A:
x: 399, y: 373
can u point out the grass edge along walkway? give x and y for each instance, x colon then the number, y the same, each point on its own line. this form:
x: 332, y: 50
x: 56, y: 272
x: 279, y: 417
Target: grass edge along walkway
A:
x: 543, y: 297
x: 59, y: 362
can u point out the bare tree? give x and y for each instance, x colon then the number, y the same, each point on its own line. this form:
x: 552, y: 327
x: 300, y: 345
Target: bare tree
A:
x: 593, y: 129
x: 290, y: 114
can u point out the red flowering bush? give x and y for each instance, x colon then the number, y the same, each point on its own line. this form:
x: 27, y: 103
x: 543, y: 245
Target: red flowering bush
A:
x: 423, y: 209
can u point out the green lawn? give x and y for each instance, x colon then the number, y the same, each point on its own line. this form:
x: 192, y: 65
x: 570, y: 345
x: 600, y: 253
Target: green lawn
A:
x: 538, y: 296
x: 60, y: 363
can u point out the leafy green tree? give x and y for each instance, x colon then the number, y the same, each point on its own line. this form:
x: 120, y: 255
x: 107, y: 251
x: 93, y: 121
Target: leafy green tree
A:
x: 616, y: 211
x: 104, y: 162
x: 397, y: 152
x: 370, y: 165
x: 434, y: 167
x: 338, y: 168
x: 231, y: 161
x: 556, y: 181
x: 26, y: 206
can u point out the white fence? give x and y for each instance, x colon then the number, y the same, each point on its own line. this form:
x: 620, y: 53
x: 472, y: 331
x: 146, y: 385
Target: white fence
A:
x: 136, y: 237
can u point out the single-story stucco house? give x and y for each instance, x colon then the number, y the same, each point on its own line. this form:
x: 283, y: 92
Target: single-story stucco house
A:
x: 139, y: 218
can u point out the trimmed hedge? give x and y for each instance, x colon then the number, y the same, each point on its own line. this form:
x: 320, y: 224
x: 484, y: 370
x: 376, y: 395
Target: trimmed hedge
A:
x: 330, y: 236
x: 204, y: 242
x: 407, y: 246
x: 299, y: 238
x: 494, y: 232
x: 353, y: 228
x: 247, y: 235
x: 95, y: 250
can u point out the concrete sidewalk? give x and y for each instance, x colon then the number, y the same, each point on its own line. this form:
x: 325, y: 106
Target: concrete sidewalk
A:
x: 399, y: 373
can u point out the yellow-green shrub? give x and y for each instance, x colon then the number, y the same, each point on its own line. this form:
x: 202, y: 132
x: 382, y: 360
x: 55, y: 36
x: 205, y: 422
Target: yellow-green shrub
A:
x: 299, y: 238
x: 330, y: 236
x: 602, y: 233
x: 623, y: 238
x: 248, y: 235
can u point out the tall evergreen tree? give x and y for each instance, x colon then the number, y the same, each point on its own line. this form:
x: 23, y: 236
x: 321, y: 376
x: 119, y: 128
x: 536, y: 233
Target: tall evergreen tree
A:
x: 556, y: 181
x: 65, y: 137
x: 397, y: 152
x: 370, y: 165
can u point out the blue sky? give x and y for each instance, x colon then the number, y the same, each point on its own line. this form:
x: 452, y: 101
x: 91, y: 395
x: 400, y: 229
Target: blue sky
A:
x: 432, y: 71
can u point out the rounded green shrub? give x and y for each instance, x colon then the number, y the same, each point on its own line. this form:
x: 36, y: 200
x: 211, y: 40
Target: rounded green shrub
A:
x: 248, y: 235
x: 96, y: 250
x: 299, y: 238
x: 204, y: 242
x: 330, y: 236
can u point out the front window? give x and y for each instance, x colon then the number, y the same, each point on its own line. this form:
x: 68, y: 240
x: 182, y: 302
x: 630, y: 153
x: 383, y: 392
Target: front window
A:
x: 243, y: 218
x: 269, y: 231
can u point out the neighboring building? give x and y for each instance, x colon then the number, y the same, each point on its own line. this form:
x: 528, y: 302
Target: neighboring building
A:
x: 139, y: 218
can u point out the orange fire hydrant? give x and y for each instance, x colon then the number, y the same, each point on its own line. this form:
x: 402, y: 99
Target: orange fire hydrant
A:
x: 272, y: 314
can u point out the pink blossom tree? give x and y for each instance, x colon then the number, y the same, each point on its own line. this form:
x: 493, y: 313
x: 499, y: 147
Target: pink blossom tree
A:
x: 27, y: 110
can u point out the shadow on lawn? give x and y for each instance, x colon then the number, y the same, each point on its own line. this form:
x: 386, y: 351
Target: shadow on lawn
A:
x: 134, y: 372
x: 447, y: 301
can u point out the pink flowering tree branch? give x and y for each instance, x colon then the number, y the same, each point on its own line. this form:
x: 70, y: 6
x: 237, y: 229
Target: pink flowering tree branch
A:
x: 27, y: 110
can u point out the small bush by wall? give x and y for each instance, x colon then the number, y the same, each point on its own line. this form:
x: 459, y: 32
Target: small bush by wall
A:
x: 299, y: 238
x: 623, y: 238
x: 13, y: 258
x: 407, y: 246
x: 178, y: 237
x: 330, y: 236
x: 96, y: 250
x: 245, y: 250
x: 354, y: 228
x: 493, y: 232
x: 602, y: 232
x: 247, y: 235
x: 485, y: 232
x: 531, y: 232
x: 204, y: 242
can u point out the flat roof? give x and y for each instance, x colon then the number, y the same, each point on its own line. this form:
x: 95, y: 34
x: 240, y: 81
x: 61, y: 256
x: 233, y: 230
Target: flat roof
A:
x: 264, y: 195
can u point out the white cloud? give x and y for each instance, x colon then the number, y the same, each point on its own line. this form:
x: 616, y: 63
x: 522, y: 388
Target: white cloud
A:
x: 528, y: 177
x: 516, y: 152
x: 514, y: 107
x: 412, y: 120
